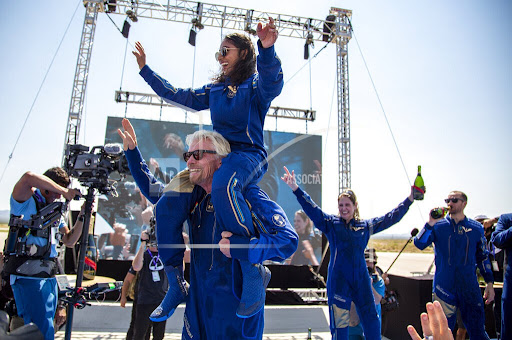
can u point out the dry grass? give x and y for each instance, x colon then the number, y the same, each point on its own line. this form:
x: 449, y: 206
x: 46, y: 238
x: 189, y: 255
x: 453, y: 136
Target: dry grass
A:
x: 395, y: 245
x: 385, y: 245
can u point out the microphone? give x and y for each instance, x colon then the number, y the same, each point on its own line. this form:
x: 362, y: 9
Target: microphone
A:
x: 414, y: 232
x: 113, y: 148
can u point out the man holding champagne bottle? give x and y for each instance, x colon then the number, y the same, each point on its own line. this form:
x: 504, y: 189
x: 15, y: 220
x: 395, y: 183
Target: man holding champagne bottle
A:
x: 460, y: 246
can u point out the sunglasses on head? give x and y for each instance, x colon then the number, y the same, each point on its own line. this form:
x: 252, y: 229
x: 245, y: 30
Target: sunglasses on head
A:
x: 224, y: 51
x: 453, y: 200
x: 198, y: 154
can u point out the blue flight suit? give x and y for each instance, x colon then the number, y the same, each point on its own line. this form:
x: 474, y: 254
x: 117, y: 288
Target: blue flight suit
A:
x: 215, y: 280
x: 238, y: 114
x: 348, y: 278
x: 459, y: 249
x: 502, y: 238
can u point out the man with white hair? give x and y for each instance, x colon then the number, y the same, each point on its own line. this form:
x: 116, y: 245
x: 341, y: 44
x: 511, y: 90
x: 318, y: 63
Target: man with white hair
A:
x: 215, y: 279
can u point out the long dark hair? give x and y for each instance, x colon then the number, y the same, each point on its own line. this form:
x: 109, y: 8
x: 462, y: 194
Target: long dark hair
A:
x: 246, y: 66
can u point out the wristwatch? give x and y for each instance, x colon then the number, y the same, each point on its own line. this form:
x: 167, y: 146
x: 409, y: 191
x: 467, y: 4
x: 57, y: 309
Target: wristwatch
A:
x: 81, y: 218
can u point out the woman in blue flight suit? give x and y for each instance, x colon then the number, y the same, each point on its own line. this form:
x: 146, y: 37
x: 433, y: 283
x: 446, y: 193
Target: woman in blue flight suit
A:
x: 348, y: 235
x: 238, y: 99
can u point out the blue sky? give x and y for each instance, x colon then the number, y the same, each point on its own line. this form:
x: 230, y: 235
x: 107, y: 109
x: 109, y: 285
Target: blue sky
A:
x: 442, y: 71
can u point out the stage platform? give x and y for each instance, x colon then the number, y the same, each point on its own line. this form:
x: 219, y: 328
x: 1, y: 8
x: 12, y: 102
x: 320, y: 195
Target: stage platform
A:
x: 107, y: 320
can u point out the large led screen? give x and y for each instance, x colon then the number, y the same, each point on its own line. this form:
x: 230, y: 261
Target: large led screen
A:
x: 162, y: 145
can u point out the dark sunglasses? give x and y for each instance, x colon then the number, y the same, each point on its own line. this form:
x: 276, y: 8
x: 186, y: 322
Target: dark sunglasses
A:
x: 224, y: 51
x: 453, y: 200
x: 198, y: 154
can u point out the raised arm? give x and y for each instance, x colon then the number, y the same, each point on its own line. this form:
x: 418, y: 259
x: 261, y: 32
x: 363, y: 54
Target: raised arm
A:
x: 150, y: 187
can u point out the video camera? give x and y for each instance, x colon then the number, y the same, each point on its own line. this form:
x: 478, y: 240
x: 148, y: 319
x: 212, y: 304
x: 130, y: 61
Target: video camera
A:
x: 92, y: 169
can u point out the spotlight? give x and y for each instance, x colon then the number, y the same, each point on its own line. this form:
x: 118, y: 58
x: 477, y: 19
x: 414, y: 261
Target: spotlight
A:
x: 248, y: 22
x: 131, y: 14
x: 111, y: 6
x: 126, y: 29
x: 329, y: 28
x: 192, y: 37
x: 309, y: 41
x: 196, y: 25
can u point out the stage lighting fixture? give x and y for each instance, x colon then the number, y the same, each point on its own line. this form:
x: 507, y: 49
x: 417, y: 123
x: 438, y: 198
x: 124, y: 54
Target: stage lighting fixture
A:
x: 329, y: 28
x: 126, y: 29
x: 309, y: 41
x: 196, y: 25
x: 111, y: 6
x: 248, y: 22
x: 131, y: 14
x: 192, y: 37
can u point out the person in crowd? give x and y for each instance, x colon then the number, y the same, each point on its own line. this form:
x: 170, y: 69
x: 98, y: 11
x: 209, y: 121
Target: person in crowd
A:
x: 238, y: 99
x: 502, y: 238
x: 348, y: 235
x: 305, y: 254
x: 118, y: 240
x: 355, y: 330
x: 433, y: 323
x: 496, y: 257
x: 152, y: 286
x: 215, y: 279
x: 460, y: 247
x: 129, y: 289
x: 31, y: 260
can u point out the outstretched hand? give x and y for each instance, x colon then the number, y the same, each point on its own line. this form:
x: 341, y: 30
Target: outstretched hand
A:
x: 433, y: 324
x: 290, y: 179
x: 140, y: 54
x: 128, y: 136
x: 268, y: 34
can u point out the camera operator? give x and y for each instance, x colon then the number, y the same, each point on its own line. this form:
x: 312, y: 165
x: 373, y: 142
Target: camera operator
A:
x: 152, y: 286
x: 32, y: 264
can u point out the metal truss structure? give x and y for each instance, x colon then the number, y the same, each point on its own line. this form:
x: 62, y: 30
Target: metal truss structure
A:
x: 336, y: 29
x: 155, y: 100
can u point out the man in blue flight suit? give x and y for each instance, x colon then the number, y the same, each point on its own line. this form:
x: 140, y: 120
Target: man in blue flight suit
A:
x: 215, y: 280
x: 460, y: 247
x: 502, y: 238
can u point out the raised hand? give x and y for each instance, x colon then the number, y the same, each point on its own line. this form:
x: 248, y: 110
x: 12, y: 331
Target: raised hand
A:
x: 433, y: 324
x: 128, y: 136
x: 140, y: 54
x: 290, y: 179
x: 268, y: 34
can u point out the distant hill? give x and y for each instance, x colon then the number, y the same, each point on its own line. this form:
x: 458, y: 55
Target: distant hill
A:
x: 4, y: 216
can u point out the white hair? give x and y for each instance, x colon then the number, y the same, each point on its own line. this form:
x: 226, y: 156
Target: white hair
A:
x: 220, y: 143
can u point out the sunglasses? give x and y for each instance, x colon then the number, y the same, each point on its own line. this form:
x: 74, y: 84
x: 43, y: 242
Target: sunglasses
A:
x: 198, y: 154
x: 224, y: 51
x: 453, y: 200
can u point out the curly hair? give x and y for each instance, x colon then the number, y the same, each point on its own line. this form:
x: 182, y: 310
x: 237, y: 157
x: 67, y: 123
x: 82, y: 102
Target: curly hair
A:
x: 58, y: 175
x: 246, y: 64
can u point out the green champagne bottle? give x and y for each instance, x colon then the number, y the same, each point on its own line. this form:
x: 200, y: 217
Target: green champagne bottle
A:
x: 439, y: 212
x: 419, y: 186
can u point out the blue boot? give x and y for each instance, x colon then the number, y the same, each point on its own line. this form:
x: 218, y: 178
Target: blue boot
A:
x: 177, y: 293
x: 255, y: 280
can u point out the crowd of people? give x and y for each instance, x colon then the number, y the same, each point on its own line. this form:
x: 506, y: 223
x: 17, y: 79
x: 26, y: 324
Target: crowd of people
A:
x: 233, y: 227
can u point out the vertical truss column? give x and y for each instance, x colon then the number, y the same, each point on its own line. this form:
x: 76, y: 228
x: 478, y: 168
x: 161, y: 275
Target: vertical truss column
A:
x: 343, y: 35
x: 81, y: 73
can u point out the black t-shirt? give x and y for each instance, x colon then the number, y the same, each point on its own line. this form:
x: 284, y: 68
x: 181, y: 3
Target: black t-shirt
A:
x: 149, y: 290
